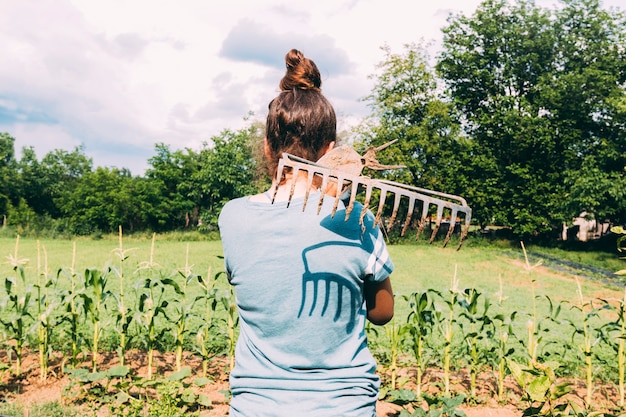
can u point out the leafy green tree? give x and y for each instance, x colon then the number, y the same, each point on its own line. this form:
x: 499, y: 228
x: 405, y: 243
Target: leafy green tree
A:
x: 33, y: 186
x: 171, y: 173
x: 408, y: 107
x: 60, y: 172
x: 8, y: 174
x: 108, y: 198
x: 535, y: 87
x: 230, y: 168
x: 592, y: 44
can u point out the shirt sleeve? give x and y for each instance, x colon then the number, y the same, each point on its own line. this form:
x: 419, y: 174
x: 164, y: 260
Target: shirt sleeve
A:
x: 379, y: 264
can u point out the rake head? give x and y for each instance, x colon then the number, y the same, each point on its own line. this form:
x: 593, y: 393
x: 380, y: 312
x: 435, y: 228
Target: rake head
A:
x: 340, y: 170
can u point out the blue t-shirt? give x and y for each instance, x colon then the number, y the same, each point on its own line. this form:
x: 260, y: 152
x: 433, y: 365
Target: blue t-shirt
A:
x: 298, y: 278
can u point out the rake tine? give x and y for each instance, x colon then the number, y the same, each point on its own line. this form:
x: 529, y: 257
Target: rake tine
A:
x: 451, y: 228
x: 340, y: 180
x: 296, y: 171
x: 422, y: 222
x: 381, y: 204
x: 366, y: 204
x: 409, y: 215
x: 279, y: 174
x: 322, y: 194
x: 465, y: 229
x: 396, y: 206
x: 437, y: 223
x: 353, y: 191
x: 309, y: 183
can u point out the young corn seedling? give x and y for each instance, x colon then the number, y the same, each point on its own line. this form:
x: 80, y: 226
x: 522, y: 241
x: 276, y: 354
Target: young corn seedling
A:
x: 480, y: 326
x: 420, y: 325
x: 585, y: 330
x: 614, y: 334
x: 447, y: 326
x: 536, y: 326
x: 504, y: 330
x: 73, y: 302
x: 151, y: 304
x: 533, y: 326
x: 94, y: 302
x: 45, y: 308
x: 15, y: 306
x: 394, y: 335
x: 124, y: 315
x: 183, y: 311
x: 208, y: 298
x: 228, y: 302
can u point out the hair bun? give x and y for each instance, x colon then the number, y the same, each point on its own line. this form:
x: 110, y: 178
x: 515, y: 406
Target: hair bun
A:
x: 302, y: 73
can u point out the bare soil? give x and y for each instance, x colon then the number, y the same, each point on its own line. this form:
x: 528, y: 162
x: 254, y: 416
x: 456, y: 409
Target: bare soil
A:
x: 29, y: 389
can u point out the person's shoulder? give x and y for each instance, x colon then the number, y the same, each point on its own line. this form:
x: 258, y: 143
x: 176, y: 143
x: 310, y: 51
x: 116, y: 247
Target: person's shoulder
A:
x: 232, y: 206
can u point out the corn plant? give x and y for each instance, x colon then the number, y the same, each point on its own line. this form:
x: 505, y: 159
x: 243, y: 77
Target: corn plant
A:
x: 73, y: 302
x: 420, y: 325
x: 590, y: 336
x: 534, y: 337
x: 183, y: 310
x: 504, y: 329
x: 123, y: 317
x: 208, y: 298
x: 394, y: 335
x: 480, y: 326
x: 227, y: 299
x: 94, y: 302
x: 15, y: 305
x: 151, y: 304
x: 614, y: 334
x: 45, y: 308
x: 447, y: 325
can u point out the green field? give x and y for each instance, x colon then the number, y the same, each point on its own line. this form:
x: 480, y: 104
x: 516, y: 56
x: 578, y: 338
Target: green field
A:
x: 552, y: 315
x: 418, y: 267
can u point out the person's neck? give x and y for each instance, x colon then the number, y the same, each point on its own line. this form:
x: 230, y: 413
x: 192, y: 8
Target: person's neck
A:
x: 288, y: 191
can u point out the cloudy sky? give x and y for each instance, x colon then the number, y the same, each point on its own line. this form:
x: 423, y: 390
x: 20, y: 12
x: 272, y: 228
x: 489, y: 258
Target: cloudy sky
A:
x: 119, y: 76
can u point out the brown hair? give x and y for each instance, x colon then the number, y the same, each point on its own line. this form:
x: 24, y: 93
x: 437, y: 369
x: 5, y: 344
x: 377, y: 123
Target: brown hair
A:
x: 301, y: 121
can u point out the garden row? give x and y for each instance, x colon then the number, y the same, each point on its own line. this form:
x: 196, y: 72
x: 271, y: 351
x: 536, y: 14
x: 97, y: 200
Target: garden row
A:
x: 83, y: 313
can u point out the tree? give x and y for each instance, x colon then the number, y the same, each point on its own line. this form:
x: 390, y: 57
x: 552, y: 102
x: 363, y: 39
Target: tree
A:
x: 535, y: 97
x: 172, y: 173
x: 60, y: 171
x: 8, y: 175
x: 592, y: 43
x: 231, y: 167
x: 108, y: 198
x: 407, y: 106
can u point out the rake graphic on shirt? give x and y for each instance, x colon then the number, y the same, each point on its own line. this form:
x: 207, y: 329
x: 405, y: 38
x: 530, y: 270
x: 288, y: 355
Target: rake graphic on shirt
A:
x: 341, y: 169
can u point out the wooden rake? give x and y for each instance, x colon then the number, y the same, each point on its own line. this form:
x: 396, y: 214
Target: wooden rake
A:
x: 340, y: 170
